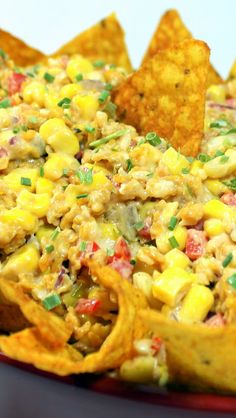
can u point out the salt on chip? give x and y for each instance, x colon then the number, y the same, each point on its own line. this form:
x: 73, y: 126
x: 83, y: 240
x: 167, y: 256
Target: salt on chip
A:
x: 197, y: 355
x: 103, y: 41
x: 21, y: 53
x: 172, y: 30
x: 167, y: 95
x: 31, y: 345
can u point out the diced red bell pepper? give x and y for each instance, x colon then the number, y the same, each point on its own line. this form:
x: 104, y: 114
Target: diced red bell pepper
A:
x: 122, y: 249
x: 156, y: 344
x: 87, y: 306
x: 195, y: 244
x: 145, y: 231
x: 15, y: 82
x: 215, y: 321
x: 229, y: 198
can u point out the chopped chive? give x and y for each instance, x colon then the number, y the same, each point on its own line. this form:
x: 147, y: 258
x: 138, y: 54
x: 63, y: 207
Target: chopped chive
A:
x: 129, y: 165
x: 231, y: 184
x: 83, y: 246
x: 103, y: 96
x: 41, y: 171
x: 108, y: 86
x: 227, y: 260
x: 231, y: 131
x: 4, y: 104
x: 77, y: 130
x: 64, y: 103
x: 82, y: 196
x: 133, y: 262
x: 153, y: 138
x: 49, y: 77
x: 185, y: 170
x: 139, y: 225
x: 218, y: 153
x: 220, y: 123
x: 89, y: 129
x: 190, y: 159
x: 49, y: 248
x: 173, y: 242
x: 65, y: 172
x: 232, y: 280
x: 79, y: 77
x: 204, y: 158
x: 25, y: 181
x: 172, y: 223
x: 33, y: 119
x: 224, y: 159
x: 24, y: 128
x: 16, y: 130
x: 98, y: 64
x: 112, y: 66
x: 55, y: 233
x: 110, y: 109
x: 51, y: 301
x: 85, y: 177
x: 108, y: 138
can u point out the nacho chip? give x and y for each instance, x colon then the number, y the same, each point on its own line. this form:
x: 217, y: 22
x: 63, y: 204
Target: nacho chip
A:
x: 21, y: 53
x: 167, y: 95
x: 171, y: 30
x: 232, y: 73
x: 11, y: 318
x: 31, y: 345
x: 103, y: 41
x: 197, y: 354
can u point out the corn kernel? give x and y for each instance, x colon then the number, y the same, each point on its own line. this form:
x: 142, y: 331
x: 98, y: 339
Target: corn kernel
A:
x: 50, y: 127
x: 216, y: 187
x: 13, y: 179
x: 34, y: 92
x: 171, y: 285
x: 143, y: 281
x: 5, y: 119
x: 195, y: 167
x: 216, y: 93
x: 216, y: 209
x: 70, y: 90
x: 109, y: 231
x: 213, y: 227
x: 23, y: 218
x: 174, y: 161
x: 139, y: 369
x: 44, y: 186
x: 51, y: 102
x: 59, y: 136
x: 38, y: 204
x: 76, y: 65
x: 176, y: 258
x: 24, y: 260
x: 44, y: 232
x: 196, y: 304
x: 56, y: 162
x: 88, y: 106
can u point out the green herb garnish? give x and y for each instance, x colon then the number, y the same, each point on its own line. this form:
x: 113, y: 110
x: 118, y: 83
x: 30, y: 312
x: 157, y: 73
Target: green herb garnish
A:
x: 231, y: 184
x: 98, y: 64
x: 139, y: 225
x: 33, y: 119
x: 4, y: 104
x: 55, y: 233
x: 172, y: 223
x: 173, y: 242
x: 204, y: 158
x: 232, y: 280
x: 90, y: 129
x: 64, y: 103
x: 108, y: 138
x: 41, y: 171
x: 185, y: 170
x: 103, y: 96
x: 51, y: 301
x: 153, y: 138
x: 3, y: 54
x: 83, y: 246
x: 129, y: 165
x: 49, y: 248
x: 82, y: 196
x: 79, y: 77
x: 25, y: 181
x: 220, y: 123
x: 85, y: 177
x: 227, y: 260
x: 224, y: 159
x: 49, y: 77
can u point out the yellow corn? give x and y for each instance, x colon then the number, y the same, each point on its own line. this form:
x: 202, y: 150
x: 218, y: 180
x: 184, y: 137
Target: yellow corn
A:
x: 34, y: 92
x: 195, y: 167
x: 24, y: 260
x: 5, y: 119
x: 14, y: 179
x: 216, y: 187
x: 38, y: 204
x: 143, y: 281
x: 88, y: 106
x: 180, y: 234
x: 56, y: 162
x: 77, y: 65
x: 196, y: 304
x: 139, y: 369
x: 70, y: 90
x: 146, y: 208
x: 59, y: 136
x: 216, y: 93
x: 51, y: 102
x: 44, y: 232
x: 174, y: 161
x: 109, y: 231
x: 213, y: 227
x: 217, y: 169
x: 216, y: 209
x: 23, y: 218
x: 171, y: 285
x: 176, y: 258
x: 44, y: 186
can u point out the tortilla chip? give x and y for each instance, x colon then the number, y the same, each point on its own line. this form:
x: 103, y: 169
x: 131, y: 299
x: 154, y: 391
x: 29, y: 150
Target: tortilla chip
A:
x: 11, y: 318
x: 167, y: 95
x: 21, y: 53
x: 51, y: 327
x: 197, y: 355
x: 31, y: 345
x: 103, y: 41
x: 172, y: 30
x: 232, y: 73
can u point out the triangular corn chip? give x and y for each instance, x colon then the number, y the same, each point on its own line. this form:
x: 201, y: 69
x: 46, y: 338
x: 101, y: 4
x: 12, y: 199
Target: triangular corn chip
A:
x: 232, y: 73
x: 21, y: 53
x: 103, y: 41
x: 167, y: 95
x: 197, y: 354
x: 172, y: 30
x: 32, y: 345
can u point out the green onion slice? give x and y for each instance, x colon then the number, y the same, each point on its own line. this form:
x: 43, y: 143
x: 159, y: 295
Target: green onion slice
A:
x: 51, y: 301
x: 108, y: 138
